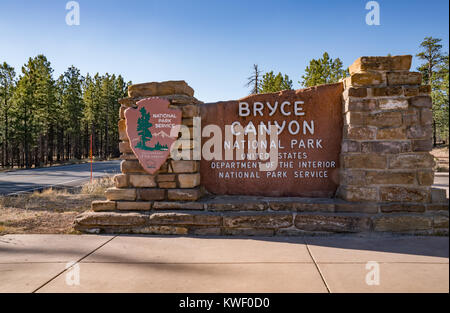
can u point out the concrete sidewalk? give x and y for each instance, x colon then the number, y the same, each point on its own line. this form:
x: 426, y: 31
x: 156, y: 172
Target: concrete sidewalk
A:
x: 37, y: 263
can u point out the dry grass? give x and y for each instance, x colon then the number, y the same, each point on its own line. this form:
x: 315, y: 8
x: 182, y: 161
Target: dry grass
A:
x: 50, y: 211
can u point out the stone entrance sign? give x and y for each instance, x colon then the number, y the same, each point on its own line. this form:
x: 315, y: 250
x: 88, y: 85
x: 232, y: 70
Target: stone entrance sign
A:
x: 308, y: 124
x: 152, y: 128
x: 352, y: 157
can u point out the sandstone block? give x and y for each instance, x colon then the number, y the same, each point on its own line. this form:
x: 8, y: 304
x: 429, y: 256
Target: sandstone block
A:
x: 425, y: 178
x: 418, y: 132
x: 437, y: 206
x: 438, y: 196
x: 184, y: 194
x: 402, y: 207
x: 131, y: 166
x: 411, y: 161
x: 391, y: 133
x: 206, y: 231
x: 354, y: 118
x: 160, y: 89
x: 123, y: 130
x: 120, y: 194
x: 185, y: 219
x: 423, y: 145
x: 183, y: 166
x: 103, y: 205
x: 386, y: 147
x: 121, y: 180
x: 411, y: 91
x: 385, y: 119
x: 165, y: 178
x: 258, y: 221
x: 167, y: 185
x: 350, y: 146
x: 425, y: 89
x: 110, y: 219
x: 355, y: 92
x: 440, y: 221
x: 386, y: 91
x: 404, y: 194
x: 402, y: 223
x: 190, y: 110
x: 360, y: 132
x: 163, y: 230
x: 364, y: 105
x: 188, y: 122
x: 128, y: 101
x: 356, y: 207
x: 128, y: 156
x: 426, y: 117
x: 358, y: 193
x: 411, y: 117
x: 332, y: 223
x: 165, y: 205
x: 388, y: 63
x: 122, y: 111
x: 232, y: 205
x: 353, y: 177
x: 248, y: 232
x: 133, y: 206
x: 142, y: 181
x: 404, y: 78
x: 393, y: 104
x: 152, y: 194
x: 369, y: 161
x: 302, y: 205
x: 188, y: 180
x: 390, y: 177
x: 124, y: 147
x: 365, y: 79
x: 421, y: 102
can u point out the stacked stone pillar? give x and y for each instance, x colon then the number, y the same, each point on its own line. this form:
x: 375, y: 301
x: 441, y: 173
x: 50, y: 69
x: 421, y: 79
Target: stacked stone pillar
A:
x: 387, y: 133
x: 176, y: 180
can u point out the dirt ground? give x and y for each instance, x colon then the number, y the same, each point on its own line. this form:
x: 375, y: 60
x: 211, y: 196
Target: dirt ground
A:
x: 441, y: 156
x: 50, y: 211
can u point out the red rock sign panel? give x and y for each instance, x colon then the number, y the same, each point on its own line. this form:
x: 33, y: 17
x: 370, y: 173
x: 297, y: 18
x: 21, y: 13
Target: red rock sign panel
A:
x: 152, y: 128
x: 309, y: 123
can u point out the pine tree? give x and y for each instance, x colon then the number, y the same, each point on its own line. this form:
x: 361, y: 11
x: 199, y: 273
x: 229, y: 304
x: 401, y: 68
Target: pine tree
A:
x: 324, y: 70
x: 7, y: 84
x: 274, y: 83
x: 73, y: 105
x: 432, y: 55
x: 440, y: 95
x: 433, y: 58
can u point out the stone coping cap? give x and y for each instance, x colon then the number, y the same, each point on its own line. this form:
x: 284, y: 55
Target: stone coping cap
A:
x: 379, y: 63
x: 160, y: 89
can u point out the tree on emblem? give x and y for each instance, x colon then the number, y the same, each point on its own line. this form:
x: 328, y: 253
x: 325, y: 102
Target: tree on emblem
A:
x: 143, y: 129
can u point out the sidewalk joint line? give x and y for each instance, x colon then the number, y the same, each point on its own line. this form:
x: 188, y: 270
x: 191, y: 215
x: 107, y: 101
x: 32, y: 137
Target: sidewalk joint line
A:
x: 317, y: 267
x: 76, y: 262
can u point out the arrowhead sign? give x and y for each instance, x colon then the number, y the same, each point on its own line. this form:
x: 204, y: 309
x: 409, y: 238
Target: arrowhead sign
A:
x: 152, y: 128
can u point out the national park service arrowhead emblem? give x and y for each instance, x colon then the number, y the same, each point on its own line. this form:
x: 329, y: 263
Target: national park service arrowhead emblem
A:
x: 152, y: 128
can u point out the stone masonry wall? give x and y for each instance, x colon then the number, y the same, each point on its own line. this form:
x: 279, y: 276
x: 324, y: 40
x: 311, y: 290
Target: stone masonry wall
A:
x: 387, y: 133
x: 178, y: 180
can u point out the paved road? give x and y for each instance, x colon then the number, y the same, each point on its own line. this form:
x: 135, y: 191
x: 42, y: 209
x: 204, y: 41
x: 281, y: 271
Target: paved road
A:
x: 37, y: 263
x: 65, y: 175
x: 441, y: 181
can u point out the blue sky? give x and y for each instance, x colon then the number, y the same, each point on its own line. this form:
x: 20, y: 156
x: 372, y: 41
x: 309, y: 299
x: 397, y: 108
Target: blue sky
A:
x: 212, y: 44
